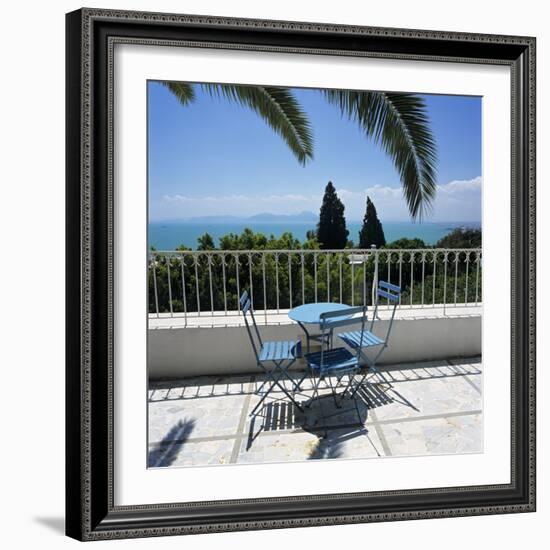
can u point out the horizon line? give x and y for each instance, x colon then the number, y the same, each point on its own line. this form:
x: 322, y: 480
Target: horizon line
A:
x: 197, y: 219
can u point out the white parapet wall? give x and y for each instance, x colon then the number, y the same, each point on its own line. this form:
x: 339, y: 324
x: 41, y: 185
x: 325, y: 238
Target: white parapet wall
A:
x: 177, y: 351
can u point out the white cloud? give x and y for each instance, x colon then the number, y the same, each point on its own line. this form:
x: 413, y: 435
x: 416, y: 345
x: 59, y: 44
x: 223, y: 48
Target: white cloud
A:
x: 461, y: 186
x: 458, y: 200
x: 238, y: 205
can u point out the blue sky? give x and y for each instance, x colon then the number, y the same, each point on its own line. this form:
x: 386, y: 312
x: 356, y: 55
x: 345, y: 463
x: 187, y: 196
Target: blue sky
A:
x: 214, y: 157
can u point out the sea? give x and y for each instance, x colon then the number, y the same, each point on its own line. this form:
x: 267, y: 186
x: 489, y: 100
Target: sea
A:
x: 169, y: 235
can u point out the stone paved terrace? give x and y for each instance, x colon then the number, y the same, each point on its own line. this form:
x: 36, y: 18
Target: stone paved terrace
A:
x: 428, y: 408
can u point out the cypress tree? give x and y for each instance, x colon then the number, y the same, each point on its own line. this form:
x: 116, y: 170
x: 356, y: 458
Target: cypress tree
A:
x: 371, y: 231
x: 331, y: 229
x: 205, y: 242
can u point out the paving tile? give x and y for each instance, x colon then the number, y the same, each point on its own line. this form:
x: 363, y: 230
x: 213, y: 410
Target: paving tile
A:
x: 437, y: 436
x: 357, y: 442
x: 283, y: 447
x: 353, y: 442
x: 431, y: 408
x: 205, y: 453
x: 211, y: 416
x: 429, y: 397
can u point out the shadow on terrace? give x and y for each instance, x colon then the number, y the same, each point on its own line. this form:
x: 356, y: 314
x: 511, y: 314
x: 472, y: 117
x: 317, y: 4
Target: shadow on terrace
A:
x: 423, y: 408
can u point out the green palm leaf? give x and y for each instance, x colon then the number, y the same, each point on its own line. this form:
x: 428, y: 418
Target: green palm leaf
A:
x: 279, y: 109
x: 277, y: 106
x: 398, y: 121
x: 183, y: 91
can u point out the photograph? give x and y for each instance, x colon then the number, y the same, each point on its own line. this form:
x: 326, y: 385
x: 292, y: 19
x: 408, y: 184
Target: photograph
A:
x: 314, y: 274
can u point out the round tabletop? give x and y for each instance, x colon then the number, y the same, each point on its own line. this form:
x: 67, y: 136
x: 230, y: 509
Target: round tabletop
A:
x: 311, y: 313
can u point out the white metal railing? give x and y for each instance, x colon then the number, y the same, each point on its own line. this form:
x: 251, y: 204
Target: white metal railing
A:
x: 209, y: 282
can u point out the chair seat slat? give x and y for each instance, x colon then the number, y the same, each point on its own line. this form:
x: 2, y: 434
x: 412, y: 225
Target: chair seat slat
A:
x: 334, y: 361
x: 354, y: 339
x: 276, y: 351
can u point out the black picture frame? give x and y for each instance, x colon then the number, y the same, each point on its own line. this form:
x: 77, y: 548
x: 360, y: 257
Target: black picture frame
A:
x: 90, y: 510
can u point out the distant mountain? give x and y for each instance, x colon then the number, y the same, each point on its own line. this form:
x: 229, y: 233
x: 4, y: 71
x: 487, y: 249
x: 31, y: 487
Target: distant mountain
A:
x: 264, y: 217
x: 212, y: 219
x: 304, y: 216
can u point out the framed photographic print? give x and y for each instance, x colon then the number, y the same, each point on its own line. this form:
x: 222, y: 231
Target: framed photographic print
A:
x: 300, y: 274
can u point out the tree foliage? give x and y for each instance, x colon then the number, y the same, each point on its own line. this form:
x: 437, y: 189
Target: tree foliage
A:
x: 371, y: 232
x: 281, y: 280
x: 331, y: 229
x: 205, y: 242
x: 405, y: 243
x: 461, y: 238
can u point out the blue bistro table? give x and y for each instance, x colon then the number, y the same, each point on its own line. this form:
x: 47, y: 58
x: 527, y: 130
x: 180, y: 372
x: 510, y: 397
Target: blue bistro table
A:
x: 310, y: 314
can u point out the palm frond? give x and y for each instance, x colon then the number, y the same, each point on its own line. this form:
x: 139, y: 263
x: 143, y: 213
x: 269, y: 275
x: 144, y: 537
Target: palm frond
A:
x: 399, y: 122
x: 183, y: 91
x: 279, y: 109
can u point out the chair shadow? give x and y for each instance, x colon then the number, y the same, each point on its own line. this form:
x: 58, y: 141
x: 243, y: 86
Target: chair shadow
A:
x: 322, y: 417
x: 215, y: 386
x: 166, y: 452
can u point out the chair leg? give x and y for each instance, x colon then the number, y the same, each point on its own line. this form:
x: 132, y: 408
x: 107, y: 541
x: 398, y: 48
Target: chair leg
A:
x: 283, y: 372
x: 261, y: 400
x: 371, y: 369
x: 333, y: 388
x: 371, y: 364
x: 315, y: 391
x: 383, y: 377
x: 351, y: 378
x: 323, y: 418
x: 357, y: 386
x: 363, y: 379
x: 280, y: 370
x: 270, y: 378
x: 297, y: 386
x: 259, y: 390
x: 347, y: 387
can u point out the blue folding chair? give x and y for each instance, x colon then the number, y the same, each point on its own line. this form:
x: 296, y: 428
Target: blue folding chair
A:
x: 362, y: 340
x: 336, y: 363
x: 274, y: 358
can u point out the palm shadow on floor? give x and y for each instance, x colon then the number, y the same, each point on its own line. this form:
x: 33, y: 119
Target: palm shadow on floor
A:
x: 166, y: 451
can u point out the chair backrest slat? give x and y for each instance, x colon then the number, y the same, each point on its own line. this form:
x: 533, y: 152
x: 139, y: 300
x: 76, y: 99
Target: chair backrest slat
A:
x: 244, y: 298
x: 392, y: 293
x: 389, y: 286
x: 332, y: 319
x: 390, y: 296
x: 338, y: 324
x: 342, y: 312
x: 246, y: 307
